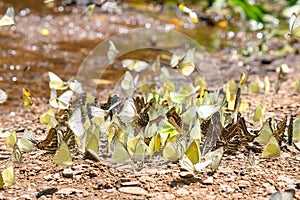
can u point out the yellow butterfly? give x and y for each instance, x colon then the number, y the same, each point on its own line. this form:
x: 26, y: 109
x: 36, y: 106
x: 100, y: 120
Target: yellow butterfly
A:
x: 57, y: 83
x: 184, y: 64
x: 259, y: 112
x: 193, y: 15
x: 61, y: 102
x: 272, y: 148
x: 62, y: 155
x: 11, y: 140
x: 296, y: 129
x: 8, y: 18
x: 1, y: 182
x: 92, y: 143
x: 27, y: 102
x: 193, y: 151
x: 120, y: 153
x: 8, y: 174
x: 294, y: 27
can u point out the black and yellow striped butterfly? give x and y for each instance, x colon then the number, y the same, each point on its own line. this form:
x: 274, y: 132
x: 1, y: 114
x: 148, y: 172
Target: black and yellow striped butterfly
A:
x: 174, y: 118
x: 50, y: 143
x: 52, y: 140
x: 17, y: 155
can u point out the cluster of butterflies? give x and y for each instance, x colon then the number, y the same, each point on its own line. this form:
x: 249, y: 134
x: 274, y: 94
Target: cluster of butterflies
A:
x: 187, y: 123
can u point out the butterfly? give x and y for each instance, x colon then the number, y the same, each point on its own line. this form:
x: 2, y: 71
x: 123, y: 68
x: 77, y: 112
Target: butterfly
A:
x: 8, y: 18
x: 272, y: 149
x: 17, y: 155
x: 11, y: 140
x: 1, y: 182
x: 27, y: 102
x: 61, y: 102
x: 186, y: 164
x: 132, y: 112
x: 50, y: 143
x: 57, y: 83
x: 185, y: 64
x: 129, y: 84
x: 193, y: 151
x: 215, y: 157
x: 8, y: 175
x: 296, y: 129
x: 75, y: 122
x: 294, y: 27
x: 92, y: 143
x: 120, y: 154
x: 174, y: 118
x: 136, y: 65
x: 112, y: 52
x: 3, y: 96
x: 193, y: 15
x: 213, y: 133
x: 62, y: 155
x: 175, y: 147
x: 69, y: 138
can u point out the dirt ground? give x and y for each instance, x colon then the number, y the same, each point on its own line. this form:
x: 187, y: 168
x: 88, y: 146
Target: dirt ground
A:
x: 88, y: 179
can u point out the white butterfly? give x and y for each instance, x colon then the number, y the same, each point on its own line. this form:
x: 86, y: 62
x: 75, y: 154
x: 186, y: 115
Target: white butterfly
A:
x: 129, y: 112
x: 112, y: 52
x: 136, y: 65
x: 61, y: 102
x: 294, y: 26
x: 3, y: 96
x: 75, y: 122
x: 186, y: 164
x: 129, y: 84
x: 8, y: 18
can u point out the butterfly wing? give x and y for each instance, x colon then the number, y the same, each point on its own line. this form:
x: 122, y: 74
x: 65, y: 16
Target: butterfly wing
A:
x: 128, y: 113
x: 56, y: 83
x: 112, y: 52
x: 3, y: 96
x: 294, y: 26
x: 62, y: 155
x: 27, y: 102
x: 8, y: 18
x: 51, y: 141
x: 272, y: 149
x: 8, y: 174
x: 187, y: 65
x: 75, y: 122
x: 17, y: 155
x: 120, y: 153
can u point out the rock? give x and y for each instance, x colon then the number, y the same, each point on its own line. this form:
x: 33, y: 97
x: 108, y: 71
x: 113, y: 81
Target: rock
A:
x: 37, y: 169
x: 67, y: 173
x: 68, y: 191
x: 186, y: 174
x: 90, y: 154
x: 243, y: 184
x: 163, y: 196
x: 133, y: 190
x: 209, y: 181
x: 182, y: 192
x: 48, y: 177
x: 130, y: 183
